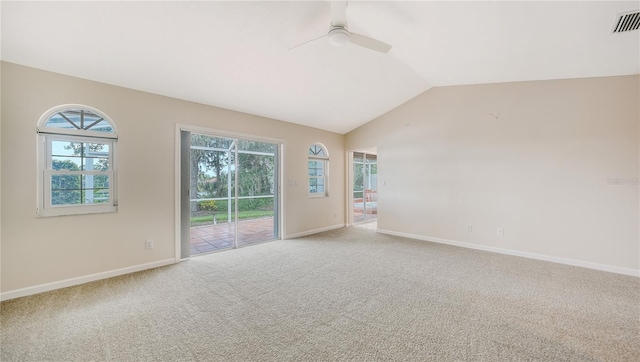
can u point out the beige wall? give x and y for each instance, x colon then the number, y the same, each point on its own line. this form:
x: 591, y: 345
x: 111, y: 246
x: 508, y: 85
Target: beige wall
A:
x: 536, y: 158
x: 36, y: 251
x: 539, y: 159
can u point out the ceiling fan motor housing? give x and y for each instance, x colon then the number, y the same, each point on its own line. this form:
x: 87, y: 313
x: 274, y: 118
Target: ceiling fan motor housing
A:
x: 338, y: 36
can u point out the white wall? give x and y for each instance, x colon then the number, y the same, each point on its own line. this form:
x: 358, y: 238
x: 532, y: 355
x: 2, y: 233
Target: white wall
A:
x: 36, y: 251
x: 539, y: 159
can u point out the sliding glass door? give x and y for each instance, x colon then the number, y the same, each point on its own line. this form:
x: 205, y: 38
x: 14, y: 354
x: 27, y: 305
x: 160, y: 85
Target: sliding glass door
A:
x: 232, y: 193
x: 365, y: 187
x: 256, y: 190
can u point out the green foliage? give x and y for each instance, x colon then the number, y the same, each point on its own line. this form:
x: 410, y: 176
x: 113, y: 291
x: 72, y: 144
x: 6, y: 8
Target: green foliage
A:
x: 255, y: 204
x: 213, y: 172
x: 358, y: 180
x: 80, y: 148
x: 222, y: 217
x: 65, y: 189
x: 208, y: 176
x: 210, y: 168
x: 69, y: 189
x: 361, y: 172
x: 258, y: 204
x: 255, y: 174
x: 209, y: 205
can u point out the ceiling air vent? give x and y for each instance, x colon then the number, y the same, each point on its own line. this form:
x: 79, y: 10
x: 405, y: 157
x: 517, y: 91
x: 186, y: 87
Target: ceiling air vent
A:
x: 627, y: 22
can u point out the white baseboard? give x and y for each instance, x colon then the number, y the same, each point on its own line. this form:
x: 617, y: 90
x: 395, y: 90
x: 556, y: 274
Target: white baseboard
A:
x: 315, y: 231
x: 81, y: 280
x: 554, y: 259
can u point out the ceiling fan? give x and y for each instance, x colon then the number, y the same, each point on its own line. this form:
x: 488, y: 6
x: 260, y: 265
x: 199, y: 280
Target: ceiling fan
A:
x: 340, y: 35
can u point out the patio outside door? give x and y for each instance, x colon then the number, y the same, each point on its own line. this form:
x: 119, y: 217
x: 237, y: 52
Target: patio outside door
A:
x: 365, y: 187
x: 231, y: 193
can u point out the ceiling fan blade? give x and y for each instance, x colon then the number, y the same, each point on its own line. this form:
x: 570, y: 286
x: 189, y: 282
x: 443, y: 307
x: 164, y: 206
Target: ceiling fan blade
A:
x: 370, y: 43
x: 339, y: 13
x: 307, y: 42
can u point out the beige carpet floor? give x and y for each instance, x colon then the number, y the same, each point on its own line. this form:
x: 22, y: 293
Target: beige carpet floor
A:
x: 344, y: 295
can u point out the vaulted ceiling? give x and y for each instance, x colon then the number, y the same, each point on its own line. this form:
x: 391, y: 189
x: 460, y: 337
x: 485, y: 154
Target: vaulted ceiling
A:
x: 235, y: 54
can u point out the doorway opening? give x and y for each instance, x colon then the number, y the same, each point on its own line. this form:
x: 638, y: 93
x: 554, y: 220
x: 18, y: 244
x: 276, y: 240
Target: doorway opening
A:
x: 229, y: 196
x: 364, y: 195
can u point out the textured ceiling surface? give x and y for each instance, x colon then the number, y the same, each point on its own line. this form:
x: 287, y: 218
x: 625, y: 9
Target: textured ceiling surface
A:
x: 235, y: 54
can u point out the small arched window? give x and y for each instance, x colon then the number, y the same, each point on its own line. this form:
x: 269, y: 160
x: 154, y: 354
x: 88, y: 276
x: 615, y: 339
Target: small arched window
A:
x: 76, y: 161
x: 318, y: 170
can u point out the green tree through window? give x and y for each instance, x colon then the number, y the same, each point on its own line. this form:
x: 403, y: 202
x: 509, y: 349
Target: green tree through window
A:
x: 65, y: 189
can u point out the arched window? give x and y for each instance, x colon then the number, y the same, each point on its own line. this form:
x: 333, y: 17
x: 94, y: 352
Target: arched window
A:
x: 76, y: 161
x: 318, y: 170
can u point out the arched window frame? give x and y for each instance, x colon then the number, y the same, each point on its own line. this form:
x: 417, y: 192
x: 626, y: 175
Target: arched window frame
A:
x: 74, y: 129
x: 318, y: 170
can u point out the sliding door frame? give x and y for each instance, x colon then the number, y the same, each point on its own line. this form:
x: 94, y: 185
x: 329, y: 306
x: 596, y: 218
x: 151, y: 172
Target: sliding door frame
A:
x: 178, y: 196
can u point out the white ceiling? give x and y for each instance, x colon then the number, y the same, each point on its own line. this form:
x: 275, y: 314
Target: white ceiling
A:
x: 235, y: 54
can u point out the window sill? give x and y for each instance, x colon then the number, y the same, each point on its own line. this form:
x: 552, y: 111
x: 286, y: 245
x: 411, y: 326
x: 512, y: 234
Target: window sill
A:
x: 318, y: 195
x: 75, y: 210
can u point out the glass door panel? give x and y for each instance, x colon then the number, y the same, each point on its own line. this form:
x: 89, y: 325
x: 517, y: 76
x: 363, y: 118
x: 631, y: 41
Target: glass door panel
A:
x: 257, y: 186
x: 358, y: 187
x: 233, y: 184
x: 371, y: 187
x: 210, y: 194
x: 365, y: 187
x: 230, y: 210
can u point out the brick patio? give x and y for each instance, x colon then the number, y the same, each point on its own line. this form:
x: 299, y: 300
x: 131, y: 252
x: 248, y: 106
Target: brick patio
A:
x: 210, y: 238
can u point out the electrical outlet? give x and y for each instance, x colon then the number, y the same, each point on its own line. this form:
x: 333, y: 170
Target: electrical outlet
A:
x: 500, y: 231
x: 469, y: 228
x: 148, y: 244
